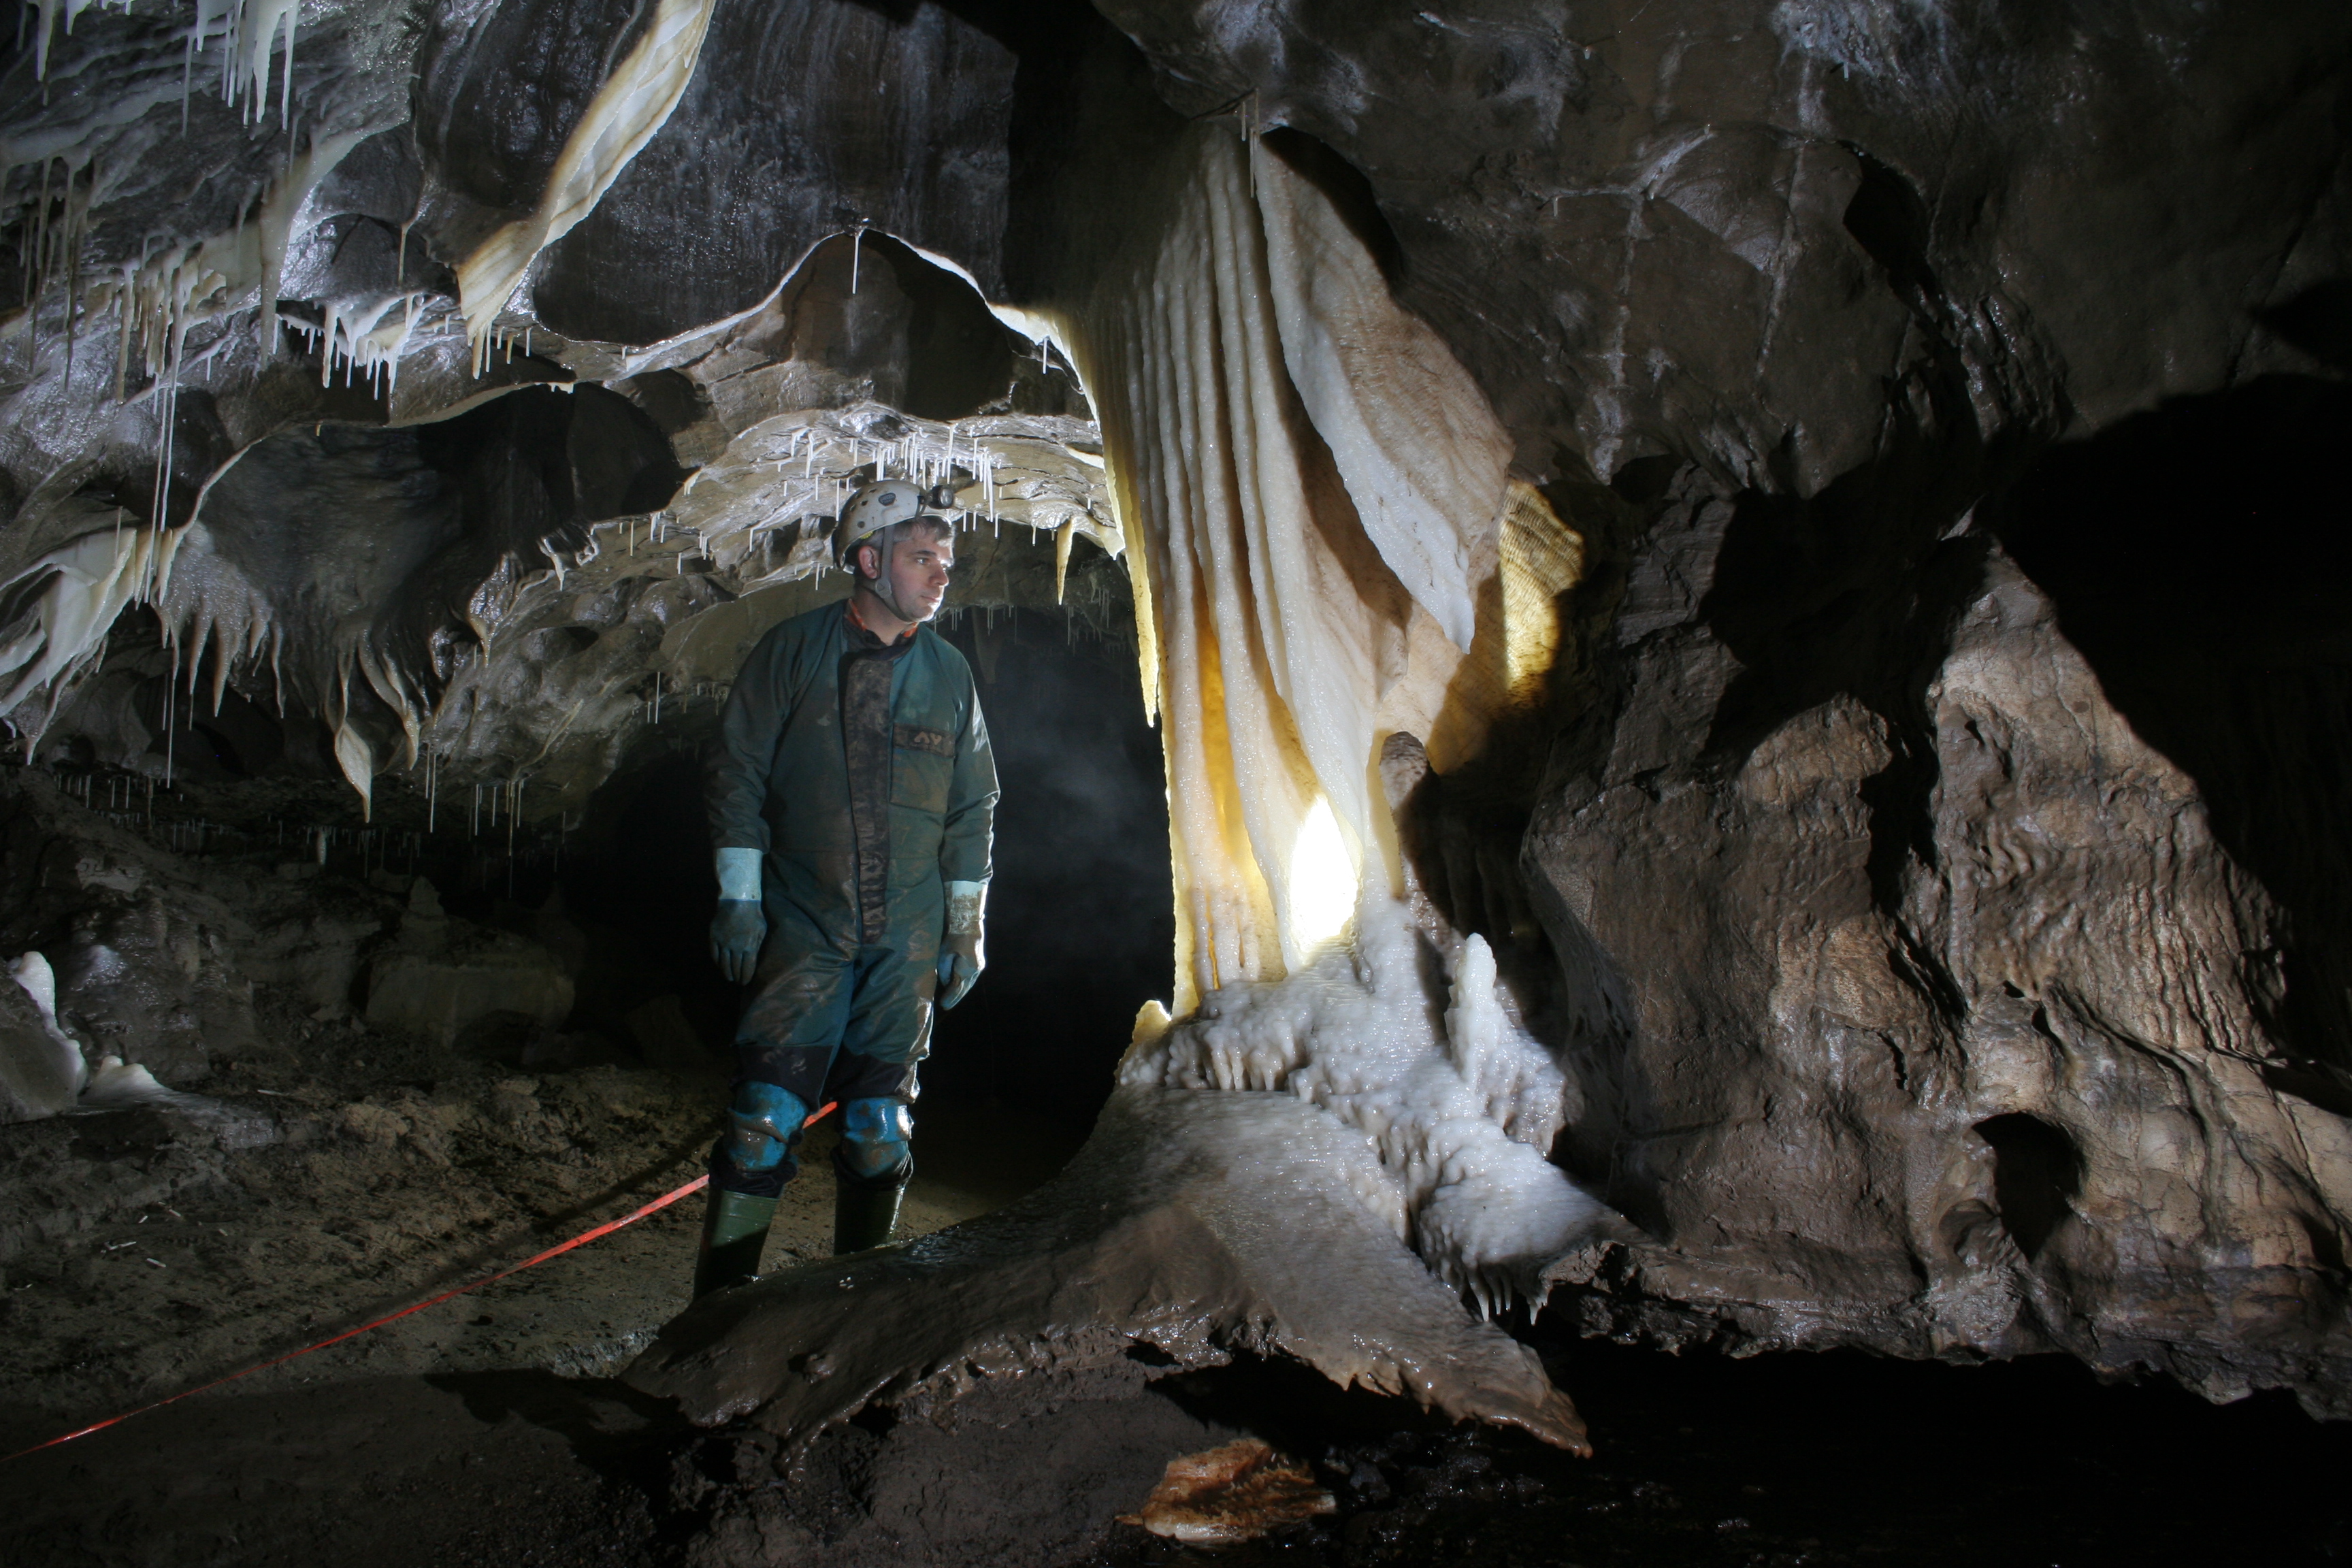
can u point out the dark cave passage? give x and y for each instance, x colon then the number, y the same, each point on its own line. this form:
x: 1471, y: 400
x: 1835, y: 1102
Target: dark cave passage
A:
x: 2037, y: 1176
x: 1080, y: 919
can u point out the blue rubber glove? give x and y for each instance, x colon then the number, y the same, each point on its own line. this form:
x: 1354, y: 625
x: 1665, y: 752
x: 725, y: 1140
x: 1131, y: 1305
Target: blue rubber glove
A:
x: 739, y: 930
x: 737, y: 934
x: 962, y: 956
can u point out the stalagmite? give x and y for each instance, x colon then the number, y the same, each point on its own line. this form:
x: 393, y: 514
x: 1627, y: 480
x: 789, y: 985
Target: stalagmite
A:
x: 1461, y: 1113
x: 56, y: 1080
x: 1194, y: 1223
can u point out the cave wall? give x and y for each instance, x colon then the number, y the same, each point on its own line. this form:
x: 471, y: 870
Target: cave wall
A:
x: 1940, y: 976
x: 1948, y: 1030
x: 1719, y: 231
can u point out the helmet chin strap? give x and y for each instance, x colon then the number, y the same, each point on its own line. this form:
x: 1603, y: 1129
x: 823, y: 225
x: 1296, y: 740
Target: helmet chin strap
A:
x: 881, y: 587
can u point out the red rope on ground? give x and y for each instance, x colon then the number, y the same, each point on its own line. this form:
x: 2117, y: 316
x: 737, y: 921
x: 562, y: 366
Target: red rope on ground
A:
x: 585, y: 1236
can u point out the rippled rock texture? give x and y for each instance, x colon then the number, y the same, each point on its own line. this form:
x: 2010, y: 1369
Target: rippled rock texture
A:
x: 1193, y: 1226
x: 1953, y: 1033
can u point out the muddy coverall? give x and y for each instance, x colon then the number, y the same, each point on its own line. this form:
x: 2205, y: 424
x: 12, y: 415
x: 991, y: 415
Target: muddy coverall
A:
x: 862, y: 775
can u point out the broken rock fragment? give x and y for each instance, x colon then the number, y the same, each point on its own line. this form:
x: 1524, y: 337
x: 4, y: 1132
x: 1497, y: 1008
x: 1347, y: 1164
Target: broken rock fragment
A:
x: 1235, y: 1492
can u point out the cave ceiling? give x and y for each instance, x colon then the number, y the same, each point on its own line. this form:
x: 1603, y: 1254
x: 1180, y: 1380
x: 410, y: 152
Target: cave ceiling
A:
x: 1771, y: 240
x: 761, y: 283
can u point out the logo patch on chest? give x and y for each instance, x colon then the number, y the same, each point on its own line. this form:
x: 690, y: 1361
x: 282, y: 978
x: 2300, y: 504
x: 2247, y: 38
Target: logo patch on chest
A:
x: 933, y: 742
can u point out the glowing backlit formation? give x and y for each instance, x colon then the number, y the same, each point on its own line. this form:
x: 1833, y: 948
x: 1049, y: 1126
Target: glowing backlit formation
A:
x: 1319, y: 498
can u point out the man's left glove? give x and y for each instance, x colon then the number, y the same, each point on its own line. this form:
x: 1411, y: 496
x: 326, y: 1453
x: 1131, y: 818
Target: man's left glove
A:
x: 961, y: 957
x: 739, y: 929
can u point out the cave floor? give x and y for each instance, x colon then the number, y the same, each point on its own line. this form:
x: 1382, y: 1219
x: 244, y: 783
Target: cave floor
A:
x: 164, y: 1246
x: 182, y: 1260
x: 1781, y: 1461
x: 489, y: 1430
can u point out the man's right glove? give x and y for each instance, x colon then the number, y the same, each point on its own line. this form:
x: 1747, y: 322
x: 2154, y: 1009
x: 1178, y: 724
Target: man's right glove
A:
x: 961, y: 956
x: 739, y: 929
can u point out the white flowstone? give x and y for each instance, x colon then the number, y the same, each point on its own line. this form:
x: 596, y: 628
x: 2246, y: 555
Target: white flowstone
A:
x: 1460, y: 1105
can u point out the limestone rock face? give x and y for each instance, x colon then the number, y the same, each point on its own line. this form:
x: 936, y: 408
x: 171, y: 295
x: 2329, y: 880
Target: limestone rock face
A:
x: 778, y: 143
x: 1939, y: 977
x: 441, y: 977
x: 1982, y: 1072
x: 1724, y: 228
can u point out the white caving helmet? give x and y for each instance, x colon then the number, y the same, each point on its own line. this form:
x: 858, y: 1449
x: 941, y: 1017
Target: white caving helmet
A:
x: 876, y: 506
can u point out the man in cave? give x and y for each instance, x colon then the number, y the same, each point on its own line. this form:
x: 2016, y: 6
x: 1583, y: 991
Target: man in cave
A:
x: 852, y: 797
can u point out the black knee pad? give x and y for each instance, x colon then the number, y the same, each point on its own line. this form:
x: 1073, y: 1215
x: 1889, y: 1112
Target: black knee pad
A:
x: 730, y: 1178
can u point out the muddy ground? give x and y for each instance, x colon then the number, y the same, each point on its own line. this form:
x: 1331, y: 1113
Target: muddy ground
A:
x: 185, y: 1259
x: 487, y: 1431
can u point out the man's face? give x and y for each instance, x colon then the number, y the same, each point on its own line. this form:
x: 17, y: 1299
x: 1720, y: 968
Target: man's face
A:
x: 915, y: 577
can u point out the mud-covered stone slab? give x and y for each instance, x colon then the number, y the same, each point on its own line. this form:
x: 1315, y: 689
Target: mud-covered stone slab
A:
x: 1197, y: 1222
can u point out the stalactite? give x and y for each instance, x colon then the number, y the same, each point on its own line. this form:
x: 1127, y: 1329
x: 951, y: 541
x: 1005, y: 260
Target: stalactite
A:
x: 61, y: 606
x: 634, y: 101
x: 364, y: 336
x: 356, y: 758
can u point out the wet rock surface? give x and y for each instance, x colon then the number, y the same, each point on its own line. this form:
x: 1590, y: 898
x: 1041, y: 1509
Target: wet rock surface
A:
x: 1192, y: 1224
x: 1728, y: 232
x: 1872, y: 892
x: 1784, y: 1461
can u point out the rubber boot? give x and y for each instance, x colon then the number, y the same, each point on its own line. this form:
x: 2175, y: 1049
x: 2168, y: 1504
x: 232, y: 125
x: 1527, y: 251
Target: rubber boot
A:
x: 734, y: 1229
x: 865, y: 1208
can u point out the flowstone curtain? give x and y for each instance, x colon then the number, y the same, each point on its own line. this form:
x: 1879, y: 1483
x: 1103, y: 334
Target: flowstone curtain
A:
x: 1313, y: 489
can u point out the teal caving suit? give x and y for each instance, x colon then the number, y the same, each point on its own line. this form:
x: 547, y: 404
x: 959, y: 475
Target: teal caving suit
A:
x: 861, y: 774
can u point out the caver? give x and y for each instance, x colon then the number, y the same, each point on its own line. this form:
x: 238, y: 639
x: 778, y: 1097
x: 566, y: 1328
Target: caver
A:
x: 851, y: 794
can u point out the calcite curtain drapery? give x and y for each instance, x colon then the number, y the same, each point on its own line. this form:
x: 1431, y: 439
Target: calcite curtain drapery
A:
x: 1313, y: 487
